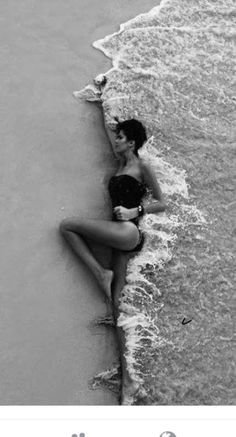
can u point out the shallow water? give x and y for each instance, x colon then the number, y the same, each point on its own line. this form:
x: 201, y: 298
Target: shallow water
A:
x: 173, y: 69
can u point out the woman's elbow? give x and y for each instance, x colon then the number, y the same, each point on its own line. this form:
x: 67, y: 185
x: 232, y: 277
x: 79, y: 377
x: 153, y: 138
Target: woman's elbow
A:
x: 161, y: 206
x: 164, y: 206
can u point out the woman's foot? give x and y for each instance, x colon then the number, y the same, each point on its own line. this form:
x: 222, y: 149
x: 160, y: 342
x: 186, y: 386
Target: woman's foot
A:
x: 105, y: 279
x: 129, y: 392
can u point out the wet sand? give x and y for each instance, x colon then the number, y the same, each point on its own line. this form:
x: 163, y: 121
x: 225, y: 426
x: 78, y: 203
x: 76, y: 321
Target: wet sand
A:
x: 54, y: 157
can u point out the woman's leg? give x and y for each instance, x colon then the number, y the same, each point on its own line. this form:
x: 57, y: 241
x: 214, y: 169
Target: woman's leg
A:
x: 104, y: 276
x: 120, y: 260
x: 121, y: 235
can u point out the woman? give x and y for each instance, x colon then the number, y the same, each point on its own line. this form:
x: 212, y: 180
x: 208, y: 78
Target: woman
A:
x: 122, y: 233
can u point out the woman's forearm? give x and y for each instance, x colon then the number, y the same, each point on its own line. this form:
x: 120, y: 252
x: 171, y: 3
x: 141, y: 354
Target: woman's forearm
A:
x: 158, y: 206
x: 111, y: 134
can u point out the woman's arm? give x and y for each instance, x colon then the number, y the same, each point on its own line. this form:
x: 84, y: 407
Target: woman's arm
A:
x: 111, y: 133
x: 151, y: 181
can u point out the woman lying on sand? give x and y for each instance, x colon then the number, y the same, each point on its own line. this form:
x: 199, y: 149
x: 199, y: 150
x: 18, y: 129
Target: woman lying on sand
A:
x: 122, y: 233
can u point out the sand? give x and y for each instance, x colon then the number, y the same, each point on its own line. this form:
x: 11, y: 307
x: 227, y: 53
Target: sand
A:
x: 54, y: 157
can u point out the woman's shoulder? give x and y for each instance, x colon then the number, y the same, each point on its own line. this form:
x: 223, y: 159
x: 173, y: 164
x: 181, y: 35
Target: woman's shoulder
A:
x: 142, y: 162
x: 148, y: 173
x: 144, y: 166
x: 143, y: 170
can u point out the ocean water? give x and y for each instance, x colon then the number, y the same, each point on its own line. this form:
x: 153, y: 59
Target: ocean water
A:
x: 173, y: 68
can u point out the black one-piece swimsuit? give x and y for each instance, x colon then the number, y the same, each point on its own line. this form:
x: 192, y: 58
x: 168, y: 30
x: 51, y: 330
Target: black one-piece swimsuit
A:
x: 127, y: 191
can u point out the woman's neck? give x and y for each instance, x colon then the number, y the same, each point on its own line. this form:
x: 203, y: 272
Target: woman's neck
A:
x: 127, y: 160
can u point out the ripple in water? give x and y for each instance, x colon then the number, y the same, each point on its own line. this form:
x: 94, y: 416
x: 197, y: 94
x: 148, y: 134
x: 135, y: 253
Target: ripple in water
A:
x: 173, y: 70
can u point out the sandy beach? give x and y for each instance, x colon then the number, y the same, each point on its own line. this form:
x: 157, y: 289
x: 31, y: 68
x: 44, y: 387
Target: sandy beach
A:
x: 54, y: 156
x: 173, y: 71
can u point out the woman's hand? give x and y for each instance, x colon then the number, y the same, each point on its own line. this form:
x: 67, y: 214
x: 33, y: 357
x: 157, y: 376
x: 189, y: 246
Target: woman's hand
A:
x: 125, y: 214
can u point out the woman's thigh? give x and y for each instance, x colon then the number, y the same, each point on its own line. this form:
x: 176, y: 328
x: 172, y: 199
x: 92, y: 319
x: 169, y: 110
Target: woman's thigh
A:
x: 119, y: 235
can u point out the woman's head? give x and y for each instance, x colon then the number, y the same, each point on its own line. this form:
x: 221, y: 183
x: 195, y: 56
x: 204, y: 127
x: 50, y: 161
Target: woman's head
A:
x: 134, y: 131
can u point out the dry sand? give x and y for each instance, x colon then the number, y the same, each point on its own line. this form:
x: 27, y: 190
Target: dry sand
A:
x: 54, y: 156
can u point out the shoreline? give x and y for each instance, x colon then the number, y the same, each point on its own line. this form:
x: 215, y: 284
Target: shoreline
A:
x: 54, y: 157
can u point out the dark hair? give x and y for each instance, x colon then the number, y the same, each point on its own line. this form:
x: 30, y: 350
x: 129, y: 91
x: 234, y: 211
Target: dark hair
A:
x: 133, y: 130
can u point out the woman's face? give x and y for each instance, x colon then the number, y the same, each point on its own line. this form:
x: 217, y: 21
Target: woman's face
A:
x: 121, y: 142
